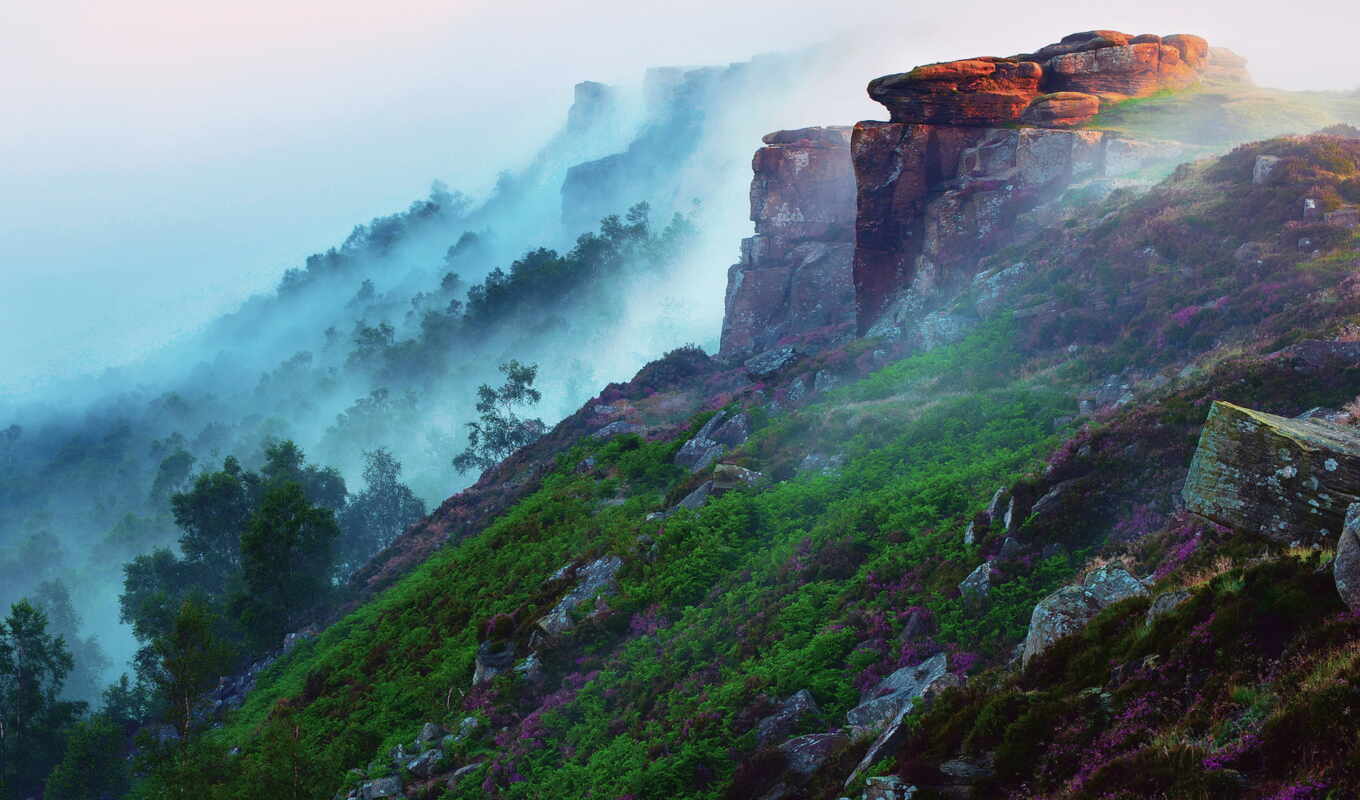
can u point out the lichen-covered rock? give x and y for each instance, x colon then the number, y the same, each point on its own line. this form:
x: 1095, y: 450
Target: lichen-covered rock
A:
x: 618, y: 427
x: 593, y: 579
x: 380, y: 788
x: 1346, y: 566
x: 975, y: 588
x: 897, y: 692
x: 785, y: 720
x: 768, y: 363
x: 727, y: 477
x: 1067, y: 610
x: 699, y: 453
x: 1289, y: 480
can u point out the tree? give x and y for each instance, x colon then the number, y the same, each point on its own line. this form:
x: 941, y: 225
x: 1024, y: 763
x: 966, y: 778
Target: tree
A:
x: 211, y: 517
x: 89, y: 660
x: 154, y: 588
x: 287, y: 553
x: 189, y: 659
x: 33, y: 667
x: 284, y: 462
x: 93, y: 766
x: 501, y: 431
x: 378, y: 514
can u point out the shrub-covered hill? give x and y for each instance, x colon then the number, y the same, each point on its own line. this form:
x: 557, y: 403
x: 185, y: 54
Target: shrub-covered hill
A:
x: 679, y: 599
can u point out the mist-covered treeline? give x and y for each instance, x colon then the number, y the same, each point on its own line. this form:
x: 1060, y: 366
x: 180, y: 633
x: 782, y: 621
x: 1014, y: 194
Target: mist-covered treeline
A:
x: 605, y: 251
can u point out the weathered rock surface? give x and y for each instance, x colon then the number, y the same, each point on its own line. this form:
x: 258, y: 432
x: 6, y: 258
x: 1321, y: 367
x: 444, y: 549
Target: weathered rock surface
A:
x: 974, y: 91
x: 897, y: 692
x: 1290, y: 480
x: 806, y: 754
x: 976, y: 587
x: 593, y: 579
x: 1164, y: 604
x: 888, y: 787
x: 1067, y: 610
x: 380, y: 788
x: 1060, y: 110
x: 765, y: 365
x: 794, y: 274
x: 1346, y: 565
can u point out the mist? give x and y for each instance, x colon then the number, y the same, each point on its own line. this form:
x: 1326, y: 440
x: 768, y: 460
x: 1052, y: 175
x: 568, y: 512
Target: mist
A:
x: 166, y: 168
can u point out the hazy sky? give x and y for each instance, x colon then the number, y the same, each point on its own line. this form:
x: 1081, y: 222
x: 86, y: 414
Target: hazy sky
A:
x: 160, y: 159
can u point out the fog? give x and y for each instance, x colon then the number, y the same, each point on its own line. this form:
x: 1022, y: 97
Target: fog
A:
x: 164, y: 165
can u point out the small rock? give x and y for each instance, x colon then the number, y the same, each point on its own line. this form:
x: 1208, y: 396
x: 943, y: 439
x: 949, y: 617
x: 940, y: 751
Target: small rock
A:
x: 426, y: 764
x: 429, y: 734
x: 695, y: 500
x: 493, y: 658
x: 616, y: 428
x: 594, y: 578
x: 531, y: 668
x: 727, y: 477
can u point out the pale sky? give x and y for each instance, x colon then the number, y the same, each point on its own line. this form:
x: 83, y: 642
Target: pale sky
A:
x: 160, y: 160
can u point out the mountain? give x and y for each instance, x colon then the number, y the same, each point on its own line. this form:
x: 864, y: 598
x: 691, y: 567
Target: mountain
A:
x: 1024, y: 467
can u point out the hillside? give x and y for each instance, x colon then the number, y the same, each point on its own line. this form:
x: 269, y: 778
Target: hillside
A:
x: 1022, y: 469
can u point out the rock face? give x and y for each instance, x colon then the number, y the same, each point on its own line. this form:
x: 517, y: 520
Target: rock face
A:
x: 1290, y: 480
x: 1346, y: 566
x: 897, y: 692
x: 786, y: 718
x: 794, y: 274
x: 1067, y: 610
x: 939, y: 183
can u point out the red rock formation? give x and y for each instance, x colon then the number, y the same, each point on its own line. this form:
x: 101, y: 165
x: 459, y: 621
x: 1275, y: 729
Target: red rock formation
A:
x: 939, y: 183
x: 795, y: 273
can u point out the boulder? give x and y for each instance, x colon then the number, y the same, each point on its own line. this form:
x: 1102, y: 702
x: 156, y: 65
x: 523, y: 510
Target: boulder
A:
x: 699, y: 453
x: 1060, y: 110
x: 897, y: 693
x: 595, y: 578
x: 1067, y: 610
x: 696, y: 499
x: 462, y: 774
x: 1263, y: 169
x: 1346, y: 565
x: 733, y: 432
x: 493, y: 658
x: 975, y: 588
x: 425, y: 764
x: 430, y: 734
x: 804, y: 755
x: 1290, y: 480
x: 786, y: 719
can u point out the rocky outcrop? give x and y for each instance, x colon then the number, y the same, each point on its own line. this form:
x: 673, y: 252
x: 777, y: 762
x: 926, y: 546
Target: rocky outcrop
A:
x: 973, y: 144
x: 786, y: 718
x: 1290, y: 480
x: 794, y: 274
x: 1067, y: 610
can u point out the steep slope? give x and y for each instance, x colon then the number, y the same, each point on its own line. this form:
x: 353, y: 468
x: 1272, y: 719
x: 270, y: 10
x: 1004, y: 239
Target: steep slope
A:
x: 839, y: 565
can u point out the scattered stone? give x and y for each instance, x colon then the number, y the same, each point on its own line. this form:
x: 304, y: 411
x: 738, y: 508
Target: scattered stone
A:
x: 696, y: 499
x: 889, y: 787
x: 594, y: 578
x: 1164, y: 604
x: 786, y: 719
x: 426, y: 764
x: 429, y: 734
x: 493, y: 658
x: 461, y: 773
x: 1346, y: 565
x: 1289, y: 480
x: 1067, y: 610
